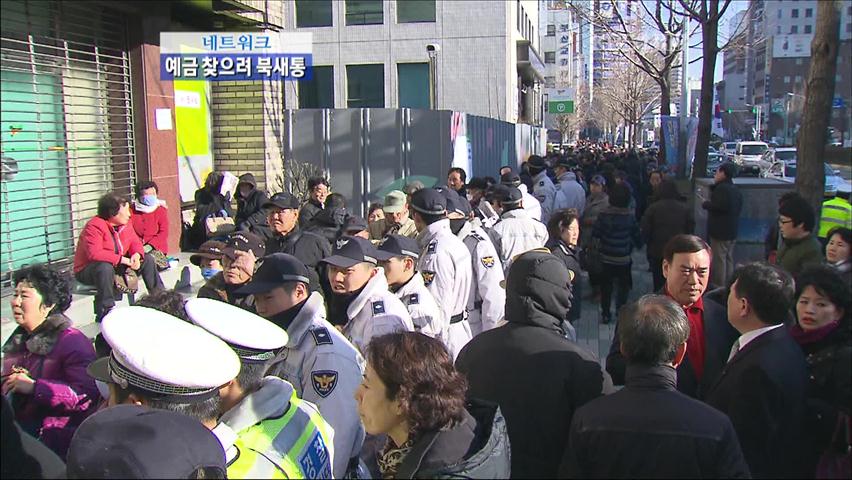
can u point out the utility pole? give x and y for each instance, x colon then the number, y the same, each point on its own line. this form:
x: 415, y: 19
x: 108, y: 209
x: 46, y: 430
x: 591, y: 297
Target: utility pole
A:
x: 684, y: 99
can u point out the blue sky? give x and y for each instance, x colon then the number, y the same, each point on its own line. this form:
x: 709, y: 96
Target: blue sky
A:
x: 694, y: 70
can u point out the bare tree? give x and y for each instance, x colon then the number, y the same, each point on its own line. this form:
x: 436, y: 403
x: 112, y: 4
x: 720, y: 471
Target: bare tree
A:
x: 657, y: 55
x: 295, y: 177
x: 630, y: 93
x: 565, y: 125
x: 819, y: 92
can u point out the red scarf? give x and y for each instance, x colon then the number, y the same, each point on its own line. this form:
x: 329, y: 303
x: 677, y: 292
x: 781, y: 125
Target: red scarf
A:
x: 805, y: 337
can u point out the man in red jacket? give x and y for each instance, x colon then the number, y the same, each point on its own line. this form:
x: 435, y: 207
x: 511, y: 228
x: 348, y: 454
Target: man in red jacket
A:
x: 108, y: 245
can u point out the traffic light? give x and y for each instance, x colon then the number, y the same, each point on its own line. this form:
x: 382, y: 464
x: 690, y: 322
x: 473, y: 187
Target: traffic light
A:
x: 753, y: 109
x: 730, y: 110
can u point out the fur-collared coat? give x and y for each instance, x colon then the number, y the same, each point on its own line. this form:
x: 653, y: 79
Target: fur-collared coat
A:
x: 56, y: 356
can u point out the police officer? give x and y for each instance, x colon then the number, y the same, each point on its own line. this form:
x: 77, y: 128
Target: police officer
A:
x: 444, y: 263
x: 531, y: 204
x: 543, y: 189
x: 360, y: 302
x: 283, y: 215
x: 518, y: 232
x: 320, y: 363
x: 398, y: 257
x: 239, y: 260
x: 836, y: 212
x: 165, y: 363
x: 263, y: 419
x: 487, y: 299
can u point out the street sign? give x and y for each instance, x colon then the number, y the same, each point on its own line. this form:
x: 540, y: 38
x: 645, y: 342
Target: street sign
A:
x: 777, y: 106
x: 561, y: 106
x: 838, y: 102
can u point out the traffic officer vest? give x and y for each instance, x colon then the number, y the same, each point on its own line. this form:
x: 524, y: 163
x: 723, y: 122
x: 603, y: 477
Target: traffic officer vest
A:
x: 835, y: 213
x: 302, y: 446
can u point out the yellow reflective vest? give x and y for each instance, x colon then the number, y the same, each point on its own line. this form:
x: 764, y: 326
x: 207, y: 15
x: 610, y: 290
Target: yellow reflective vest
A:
x: 835, y: 213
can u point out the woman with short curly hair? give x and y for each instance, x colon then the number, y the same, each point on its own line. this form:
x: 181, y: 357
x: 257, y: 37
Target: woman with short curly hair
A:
x: 412, y: 393
x: 45, y: 360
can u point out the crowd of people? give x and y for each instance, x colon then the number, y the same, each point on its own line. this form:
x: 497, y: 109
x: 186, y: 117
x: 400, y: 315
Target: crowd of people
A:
x: 435, y: 338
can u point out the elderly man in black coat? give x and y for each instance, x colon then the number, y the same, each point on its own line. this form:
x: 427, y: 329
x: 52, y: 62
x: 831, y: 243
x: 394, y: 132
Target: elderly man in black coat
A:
x: 649, y: 429
x: 763, y: 387
x: 528, y: 367
x: 686, y: 267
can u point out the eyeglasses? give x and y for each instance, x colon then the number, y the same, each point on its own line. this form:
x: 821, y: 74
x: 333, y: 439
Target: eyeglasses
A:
x: 784, y: 222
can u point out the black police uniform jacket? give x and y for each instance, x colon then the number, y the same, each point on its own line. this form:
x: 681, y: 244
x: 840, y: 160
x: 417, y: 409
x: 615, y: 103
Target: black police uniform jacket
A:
x: 650, y: 430
x: 538, y: 377
x: 719, y: 337
x: 763, y: 390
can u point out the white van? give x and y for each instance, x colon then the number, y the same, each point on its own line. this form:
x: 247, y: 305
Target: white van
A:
x: 752, y: 157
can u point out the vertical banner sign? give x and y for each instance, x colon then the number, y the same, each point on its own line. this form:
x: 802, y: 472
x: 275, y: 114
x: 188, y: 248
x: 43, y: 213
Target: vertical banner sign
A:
x: 670, y: 131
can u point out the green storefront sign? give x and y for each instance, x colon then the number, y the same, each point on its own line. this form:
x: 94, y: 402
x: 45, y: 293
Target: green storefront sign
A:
x: 561, y: 106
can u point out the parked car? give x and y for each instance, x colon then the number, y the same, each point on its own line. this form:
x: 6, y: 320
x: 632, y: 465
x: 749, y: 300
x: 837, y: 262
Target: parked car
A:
x: 785, y: 154
x: 752, y: 157
x: 727, y: 150
x: 787, y: 172
x: 714, y: 159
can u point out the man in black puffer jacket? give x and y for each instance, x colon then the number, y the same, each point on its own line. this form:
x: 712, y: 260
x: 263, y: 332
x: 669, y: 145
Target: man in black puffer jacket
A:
x: 528, y: 367
x: 723, y: 217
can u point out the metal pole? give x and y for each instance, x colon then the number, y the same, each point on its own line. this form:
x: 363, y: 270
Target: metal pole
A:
x: 786, y: 119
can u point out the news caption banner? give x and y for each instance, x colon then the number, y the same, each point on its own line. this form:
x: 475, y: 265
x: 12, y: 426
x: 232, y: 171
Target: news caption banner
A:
x: 236, y: 56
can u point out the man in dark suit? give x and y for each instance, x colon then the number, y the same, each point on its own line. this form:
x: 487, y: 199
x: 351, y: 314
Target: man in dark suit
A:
x: 686, y: 267
x: 648, y: 429
x: 763, y: 387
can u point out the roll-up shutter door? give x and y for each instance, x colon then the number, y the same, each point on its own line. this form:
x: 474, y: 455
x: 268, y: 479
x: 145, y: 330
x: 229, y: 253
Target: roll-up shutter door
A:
x: 67, y: 133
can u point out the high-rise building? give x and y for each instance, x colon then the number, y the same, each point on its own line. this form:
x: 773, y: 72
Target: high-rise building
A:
x: 373, y: 53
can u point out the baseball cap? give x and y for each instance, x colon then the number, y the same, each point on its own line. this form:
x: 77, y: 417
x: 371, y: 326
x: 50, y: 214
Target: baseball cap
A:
x: 354, y: 224
x: 565, y: 163
x: 283, y: 200
x: 598, y: 179
x: 429, y: 201
x: 510, y: 179
x: 274, y: 270
x: 349, y: 251
x: 508, y: 195
x: 211, y: 249
x: 244, y: 242
x: 394, y: 201
x: 132, y: 441
x: 536, y: 161
x: 398, y: 246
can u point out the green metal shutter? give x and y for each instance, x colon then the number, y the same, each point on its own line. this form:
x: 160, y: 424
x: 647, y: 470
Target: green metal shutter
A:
x: 66, y: 125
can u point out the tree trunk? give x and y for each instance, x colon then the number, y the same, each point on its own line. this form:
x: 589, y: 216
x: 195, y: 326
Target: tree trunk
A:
x: 665, y: 109
x: 819, y: 94
x: 709, y: 38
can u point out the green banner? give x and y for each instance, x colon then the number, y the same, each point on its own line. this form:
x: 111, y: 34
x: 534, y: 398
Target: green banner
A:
x: 561, y: 106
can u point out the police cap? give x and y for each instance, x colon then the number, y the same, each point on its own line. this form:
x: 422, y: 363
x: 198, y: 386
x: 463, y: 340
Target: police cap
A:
x: 253, y: 338
x: 349, y: 251
x: 398, y: 246
x: 274, y: 270
x: 429, y: 201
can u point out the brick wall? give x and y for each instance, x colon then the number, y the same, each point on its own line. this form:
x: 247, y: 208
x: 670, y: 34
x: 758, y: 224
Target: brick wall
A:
x: 239, y: 145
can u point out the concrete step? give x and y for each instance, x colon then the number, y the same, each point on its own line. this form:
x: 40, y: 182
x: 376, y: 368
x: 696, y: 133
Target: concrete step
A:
x: 81, y: 311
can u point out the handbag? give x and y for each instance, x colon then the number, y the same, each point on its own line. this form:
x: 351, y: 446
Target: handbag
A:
x: 219, y: 225
x: 590, y: 257
x: 836, y: 461
x: 126, y: 280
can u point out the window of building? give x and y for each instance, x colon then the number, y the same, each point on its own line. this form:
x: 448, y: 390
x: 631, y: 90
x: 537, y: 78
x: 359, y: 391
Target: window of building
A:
x: 798, y: 79
x: 799, y: 61
x: 549, y: 57
x: 365, y: 86
x: 364, y: 12
x: 549, y: 82
x: 318, y: 92
x: 794, y: 29
x: 849, y: 28
x: 849, y: 11
x: 413, y: 85
x: 795, y: 13
x: 551, y: 30
x: 778, y: 29
x: 786, y: 79
x: 313, y: 13
x: 809, y: 12
x: 780, y: 12
x: 808, y: 29
x: 415, y: 11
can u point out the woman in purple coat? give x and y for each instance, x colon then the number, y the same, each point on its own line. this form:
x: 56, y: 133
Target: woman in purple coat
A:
x: 45, y: 360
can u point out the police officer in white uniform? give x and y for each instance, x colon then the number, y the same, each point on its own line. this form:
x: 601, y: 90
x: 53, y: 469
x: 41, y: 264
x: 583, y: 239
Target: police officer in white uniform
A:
x: 487, y: 301
x: 518, y: 232
x: 531, y: 205
x: 323, y: 366
x: 444, y: 263
x: 163, y: 362
x: 398, y: 257
x: 543, y: 188
x: 258, y: 441
x: 360, y: 299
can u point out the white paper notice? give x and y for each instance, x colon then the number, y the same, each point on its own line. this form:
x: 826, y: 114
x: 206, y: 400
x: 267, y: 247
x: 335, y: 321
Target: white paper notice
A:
x: 187, y: 99
x: 163, y: 118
